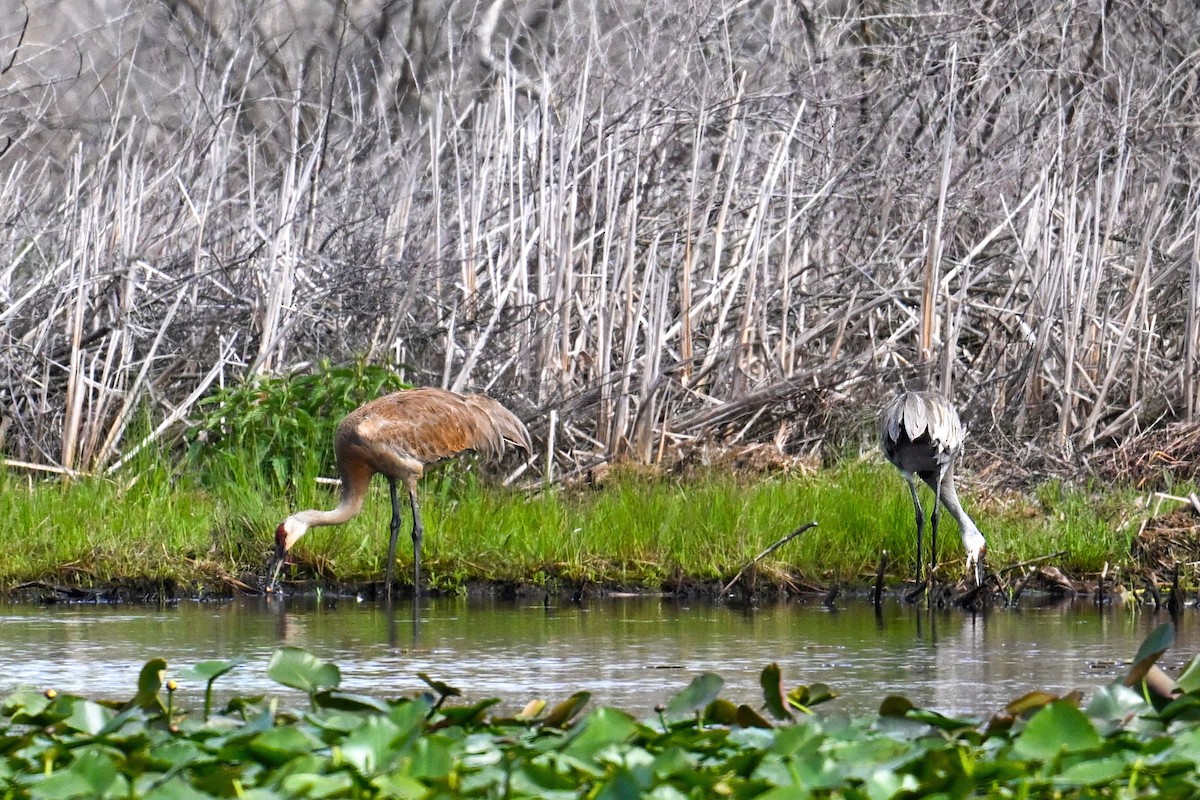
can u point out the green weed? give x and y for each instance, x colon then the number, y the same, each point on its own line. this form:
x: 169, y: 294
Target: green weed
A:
x: 635, y: 530
x: 274, y: 432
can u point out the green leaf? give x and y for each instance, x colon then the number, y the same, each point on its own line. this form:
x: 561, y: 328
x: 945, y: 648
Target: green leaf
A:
x: 470, y: 715
x: 601, y: 727
x: 339, y: 722
x: 884, y: 783
x: 722, y: 712
x: 621, y: 785
x: 564, y: 711
x: 90, y: 775
x: 312, y: 785
x: 1152, y: 648
x: 430, y: 757
x: 1031, y: 701
x: 540, y: 779
x: 771, y: 681
x: 937, y: 720
x: 119, y: 721
x: 444, y: 690
x: 794, y: 738
x: 807, y: 696
x: 150, y: 682
x: 86, y: 716
x: 280, y: 745
x: 299, y: 669
x: 703, y: 689
x: 895, y: 705
x: 344, y: 701
x: 1115, y: 705
x: 25, y: 706
x: 1184, y: 707
x: 1058, y: 728
x: 178, y: 753
x: 176, y: 788
x: 211, y: 670
x: 369, y: 746
x: 1189, y: 681
x: 747, y: 717
x: 279, y: 466
x: 398, y: 785
x: 673, y: 761
x: 409, y: 716
x: 1095, y: 772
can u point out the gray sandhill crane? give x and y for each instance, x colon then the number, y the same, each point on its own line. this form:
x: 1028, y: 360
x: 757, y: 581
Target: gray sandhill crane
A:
x: 398, y: 435
x: 921, y: 434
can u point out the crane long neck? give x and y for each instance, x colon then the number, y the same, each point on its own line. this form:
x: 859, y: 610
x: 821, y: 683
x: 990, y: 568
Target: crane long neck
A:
x: 951, y: 502
x: 353, y: 493
x: 966, y: 525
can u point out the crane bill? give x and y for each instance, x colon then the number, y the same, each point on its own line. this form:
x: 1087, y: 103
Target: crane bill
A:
x: 976, y: 563
x: 275, y: 566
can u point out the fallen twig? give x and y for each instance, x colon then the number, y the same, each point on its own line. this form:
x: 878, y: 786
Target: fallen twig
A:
x: 974, y: 599
x: 1175, y: 599
x: 1031, y: 562
x: 877, y: 592
x: 8, y: 462
x: 1152, y: 590
x: 914, y: 593
x: 1015, y: 594
x: 766, y: 553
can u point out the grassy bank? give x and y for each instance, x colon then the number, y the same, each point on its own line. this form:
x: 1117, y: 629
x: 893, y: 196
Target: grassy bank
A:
x: 634, y: 530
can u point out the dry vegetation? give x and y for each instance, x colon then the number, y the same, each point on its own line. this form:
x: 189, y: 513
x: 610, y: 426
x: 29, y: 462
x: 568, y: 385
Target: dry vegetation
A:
x: 647, y: 227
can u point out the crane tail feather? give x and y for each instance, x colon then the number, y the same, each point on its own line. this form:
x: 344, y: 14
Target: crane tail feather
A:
x: 915, y: 414
x: 500, y: 428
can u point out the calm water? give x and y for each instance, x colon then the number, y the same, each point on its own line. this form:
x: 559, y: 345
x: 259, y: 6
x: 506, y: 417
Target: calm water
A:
x: 632, y: 653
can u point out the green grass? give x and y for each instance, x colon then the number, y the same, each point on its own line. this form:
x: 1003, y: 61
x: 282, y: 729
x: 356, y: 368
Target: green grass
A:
x: 635, y: 531
x: 95, y: 530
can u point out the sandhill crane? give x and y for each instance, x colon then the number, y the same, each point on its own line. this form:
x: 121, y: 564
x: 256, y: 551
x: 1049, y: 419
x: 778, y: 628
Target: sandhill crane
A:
x: 921, y: 434
x: 398, y: 435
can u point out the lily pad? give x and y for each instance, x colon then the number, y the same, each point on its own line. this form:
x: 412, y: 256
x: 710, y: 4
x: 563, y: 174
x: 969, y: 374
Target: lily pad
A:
x: 703, y: 689
x: 1058, y: 728
x: 300, y: 669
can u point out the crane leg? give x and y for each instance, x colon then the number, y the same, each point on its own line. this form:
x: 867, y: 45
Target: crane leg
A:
x: 418, y: 533
x: 920, y: 513
x: 933, y: 518
x: 395, y: 535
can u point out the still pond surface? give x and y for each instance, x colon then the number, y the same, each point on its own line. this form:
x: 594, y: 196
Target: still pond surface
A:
x: 628, y: 652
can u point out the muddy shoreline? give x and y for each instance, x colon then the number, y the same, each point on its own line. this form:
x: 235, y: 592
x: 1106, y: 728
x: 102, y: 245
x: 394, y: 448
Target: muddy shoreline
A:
x: 1044, y: 584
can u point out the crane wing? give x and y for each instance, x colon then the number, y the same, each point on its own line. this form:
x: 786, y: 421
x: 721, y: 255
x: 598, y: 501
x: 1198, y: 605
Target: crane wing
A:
x: 428, y: 425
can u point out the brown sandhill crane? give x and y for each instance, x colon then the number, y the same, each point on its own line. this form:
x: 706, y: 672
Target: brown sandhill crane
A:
x: 398, y: 435
x: 921, y: 434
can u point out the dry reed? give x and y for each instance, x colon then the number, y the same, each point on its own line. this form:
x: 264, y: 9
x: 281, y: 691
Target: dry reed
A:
x: 692, y: 223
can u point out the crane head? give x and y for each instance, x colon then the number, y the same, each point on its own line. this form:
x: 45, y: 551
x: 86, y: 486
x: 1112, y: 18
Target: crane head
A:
x: 976, y: 547
x: 286, y: 535
x: 975, y: 561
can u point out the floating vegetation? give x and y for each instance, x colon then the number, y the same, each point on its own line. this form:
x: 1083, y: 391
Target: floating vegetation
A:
x: 1139, y: 737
